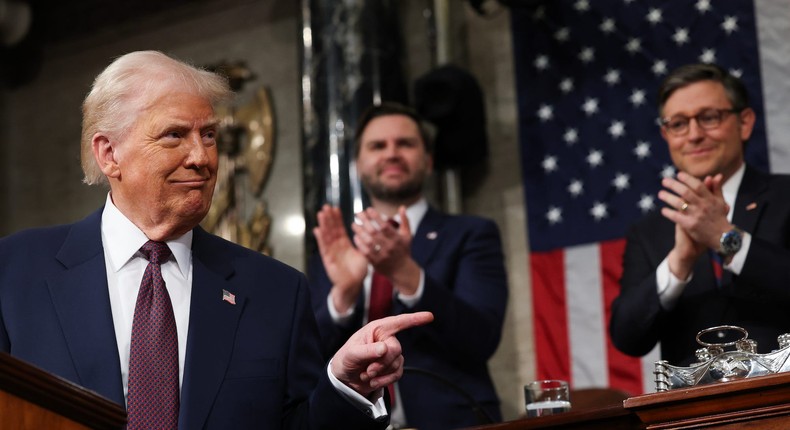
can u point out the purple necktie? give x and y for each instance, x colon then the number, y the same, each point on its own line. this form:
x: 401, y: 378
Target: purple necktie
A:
x: 152, y: 400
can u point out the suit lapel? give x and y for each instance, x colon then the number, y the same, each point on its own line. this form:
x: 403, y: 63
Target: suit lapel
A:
x: 425, y: 240
x: 82, y: 303
x: 212, y: 329
x: 750, y: 201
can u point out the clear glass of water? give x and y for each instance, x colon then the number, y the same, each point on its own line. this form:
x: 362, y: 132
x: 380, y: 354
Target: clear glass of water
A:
x: 547, y: 397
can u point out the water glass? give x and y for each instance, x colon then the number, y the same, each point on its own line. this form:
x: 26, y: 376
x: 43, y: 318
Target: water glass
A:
x: 547, y: 397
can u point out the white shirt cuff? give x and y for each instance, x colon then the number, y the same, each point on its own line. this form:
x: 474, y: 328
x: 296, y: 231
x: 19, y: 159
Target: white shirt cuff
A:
x: 374, y: 410
x: 411, y: 300
x: 339, y: 318
x: 669, y: 286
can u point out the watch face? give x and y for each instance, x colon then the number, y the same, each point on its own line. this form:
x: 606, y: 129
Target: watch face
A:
x: 731, y: 242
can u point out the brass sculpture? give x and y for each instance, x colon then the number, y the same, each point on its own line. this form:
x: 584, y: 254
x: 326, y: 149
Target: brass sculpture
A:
x: 246, y: 146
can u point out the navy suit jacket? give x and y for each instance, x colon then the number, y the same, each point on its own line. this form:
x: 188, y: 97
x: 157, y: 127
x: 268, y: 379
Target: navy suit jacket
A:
x: 758, y: 299
x: 466, y: 289
x: 256, y: 364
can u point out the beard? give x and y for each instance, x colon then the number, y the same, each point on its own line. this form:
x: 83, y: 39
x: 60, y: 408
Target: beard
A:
x: 406, y: 191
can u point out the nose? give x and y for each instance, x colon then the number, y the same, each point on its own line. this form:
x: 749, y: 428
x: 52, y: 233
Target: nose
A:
x: 198, y: 153
x: 695, y: 131
x: 391, y: 149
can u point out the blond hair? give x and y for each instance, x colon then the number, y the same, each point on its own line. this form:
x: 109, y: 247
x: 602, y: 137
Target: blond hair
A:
x: 128, y: 86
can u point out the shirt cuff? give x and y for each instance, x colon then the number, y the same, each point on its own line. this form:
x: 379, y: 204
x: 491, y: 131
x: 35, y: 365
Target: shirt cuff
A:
x: 338, y: 318
x: 374, y: 410
x: 411, y: 300
x: 669, y: 286
x: 739, y: 258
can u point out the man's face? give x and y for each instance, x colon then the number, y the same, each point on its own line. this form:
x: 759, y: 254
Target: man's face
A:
x: 392, y: 160
x: 167, y: 165
x: 703, y: 152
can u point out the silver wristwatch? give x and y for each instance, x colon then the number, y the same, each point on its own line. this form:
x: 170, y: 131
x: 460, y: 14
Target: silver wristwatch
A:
x: 730, y: 242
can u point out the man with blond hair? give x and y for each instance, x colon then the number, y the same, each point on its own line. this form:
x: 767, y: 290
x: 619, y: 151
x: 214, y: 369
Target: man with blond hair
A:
x: 139, y: 304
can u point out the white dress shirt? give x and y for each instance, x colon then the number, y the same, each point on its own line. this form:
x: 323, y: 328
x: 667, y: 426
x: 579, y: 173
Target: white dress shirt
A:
x: 125, y: 264
x: 669, y: 286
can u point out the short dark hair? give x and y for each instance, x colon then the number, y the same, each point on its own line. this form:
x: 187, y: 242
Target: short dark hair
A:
x: 393, y: 108
x: 691, y: 73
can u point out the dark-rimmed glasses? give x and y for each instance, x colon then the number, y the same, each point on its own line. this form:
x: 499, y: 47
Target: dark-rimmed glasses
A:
x: 707, y: 119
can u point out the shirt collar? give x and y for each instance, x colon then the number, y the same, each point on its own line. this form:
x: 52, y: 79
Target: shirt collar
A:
x: 122, y: 239
x: 730, y: 188
x: 415, y: 213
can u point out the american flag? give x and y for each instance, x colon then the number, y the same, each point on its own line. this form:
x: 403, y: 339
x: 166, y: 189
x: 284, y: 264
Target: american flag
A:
x: 228, y: 297
x: 592, y: 155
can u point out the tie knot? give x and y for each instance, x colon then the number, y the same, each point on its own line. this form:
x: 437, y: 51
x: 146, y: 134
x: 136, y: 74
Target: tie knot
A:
x: 393, y: 223
x: 155, y: 252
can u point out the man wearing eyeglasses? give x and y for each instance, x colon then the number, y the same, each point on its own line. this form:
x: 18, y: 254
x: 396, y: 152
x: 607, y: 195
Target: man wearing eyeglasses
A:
x: 718, y: 253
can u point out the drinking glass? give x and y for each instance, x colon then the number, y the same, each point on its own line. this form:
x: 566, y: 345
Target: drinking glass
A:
x: 547, y: 397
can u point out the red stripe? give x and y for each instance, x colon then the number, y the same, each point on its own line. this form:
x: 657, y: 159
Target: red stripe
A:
x: 549, y: 315
x: 625, y: 372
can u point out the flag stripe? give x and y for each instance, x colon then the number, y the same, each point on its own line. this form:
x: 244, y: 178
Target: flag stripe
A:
x: 585, y: 316
x: 625, y: 372
x: 548, y: 302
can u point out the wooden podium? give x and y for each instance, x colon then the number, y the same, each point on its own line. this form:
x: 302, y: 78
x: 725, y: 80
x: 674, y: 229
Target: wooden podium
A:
x: 33, y: 399
x: 760, y: 403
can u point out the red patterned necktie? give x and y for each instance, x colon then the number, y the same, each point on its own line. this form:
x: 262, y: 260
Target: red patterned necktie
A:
x: 381, y: 303
x: 381, y: 292
x: 380, y: 297
x: 152, y: 400
x: 716, y: 263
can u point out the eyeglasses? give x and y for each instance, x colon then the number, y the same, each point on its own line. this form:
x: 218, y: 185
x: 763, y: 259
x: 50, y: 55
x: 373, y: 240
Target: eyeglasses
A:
x: 708, y: 119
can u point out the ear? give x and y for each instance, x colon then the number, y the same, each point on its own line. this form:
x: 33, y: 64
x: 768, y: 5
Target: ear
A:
x: 105, y: 155
x: 664, y: 133
x: 747, y: 118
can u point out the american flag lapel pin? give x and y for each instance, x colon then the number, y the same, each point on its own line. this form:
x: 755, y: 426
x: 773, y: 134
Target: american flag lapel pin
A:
x: 751, y: 206
x: 228, y: 297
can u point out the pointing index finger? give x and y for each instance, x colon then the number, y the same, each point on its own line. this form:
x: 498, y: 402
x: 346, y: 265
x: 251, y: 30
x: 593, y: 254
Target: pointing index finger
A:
x: 389, y: 326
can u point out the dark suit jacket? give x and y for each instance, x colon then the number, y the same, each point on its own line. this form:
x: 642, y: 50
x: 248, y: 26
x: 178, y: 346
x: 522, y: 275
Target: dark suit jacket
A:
x: 758, y: 299
x: 256, y: 364
x: 466, y: 289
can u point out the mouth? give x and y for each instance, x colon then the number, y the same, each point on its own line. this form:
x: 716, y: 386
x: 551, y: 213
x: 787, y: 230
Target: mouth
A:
x: 700, y: 152
x: 392, y: 170
x: 191, y: 183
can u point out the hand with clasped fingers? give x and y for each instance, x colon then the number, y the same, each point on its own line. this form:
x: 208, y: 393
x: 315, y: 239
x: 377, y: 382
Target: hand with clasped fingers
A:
x: 698, y: 209
x: 387, y: 247
x: 383, y: 245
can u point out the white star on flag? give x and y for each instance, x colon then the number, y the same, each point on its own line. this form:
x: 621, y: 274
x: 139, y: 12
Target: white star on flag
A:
x: 590, y: 106
x: 599, y: 211
x: 646, y: 203
x: 730, y: 24
x: 576, y: 188
x: 681, y: 36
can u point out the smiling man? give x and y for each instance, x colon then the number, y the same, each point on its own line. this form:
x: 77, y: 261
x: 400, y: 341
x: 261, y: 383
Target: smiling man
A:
x: 406, y: 256
x: 718, y: 252
x: 139, y: 304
